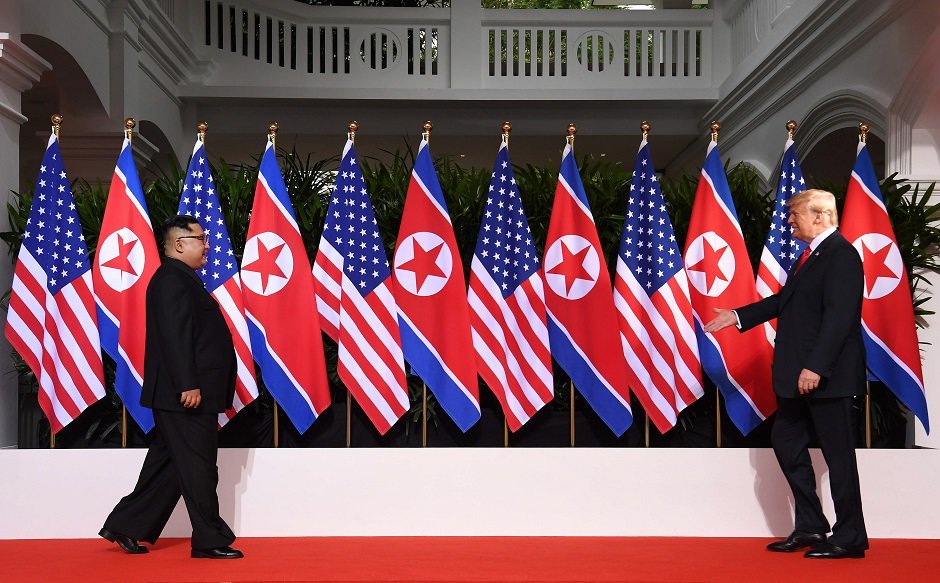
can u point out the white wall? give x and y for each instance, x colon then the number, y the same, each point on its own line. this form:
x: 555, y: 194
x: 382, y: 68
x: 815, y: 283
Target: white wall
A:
x: 472, y: 492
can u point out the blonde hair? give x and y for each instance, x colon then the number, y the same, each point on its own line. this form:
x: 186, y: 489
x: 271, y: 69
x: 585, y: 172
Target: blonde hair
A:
x: 817, y: 201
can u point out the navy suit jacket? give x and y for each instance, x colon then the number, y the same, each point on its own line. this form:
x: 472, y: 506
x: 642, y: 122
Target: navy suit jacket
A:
x: 189, y: 345
x: 819, y: 322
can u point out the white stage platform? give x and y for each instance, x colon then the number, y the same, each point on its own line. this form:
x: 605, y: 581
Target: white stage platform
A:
x: 472, y: 492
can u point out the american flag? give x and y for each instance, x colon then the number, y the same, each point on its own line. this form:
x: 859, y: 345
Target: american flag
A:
x: 781, y: 249
x: 651, y: 292
x: 220, y: 274
x: 51, y: 319
x: 507, y: 302
x: 352, y: 274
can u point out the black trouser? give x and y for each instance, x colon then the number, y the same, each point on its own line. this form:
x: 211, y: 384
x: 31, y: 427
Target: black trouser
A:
x: 832, y: 421
x: 181, y: 461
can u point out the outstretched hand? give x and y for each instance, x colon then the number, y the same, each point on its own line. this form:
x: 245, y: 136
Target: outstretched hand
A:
x: 724, y: 319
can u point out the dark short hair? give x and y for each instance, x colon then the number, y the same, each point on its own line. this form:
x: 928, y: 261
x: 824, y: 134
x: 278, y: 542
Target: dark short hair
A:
x: 184, y: 222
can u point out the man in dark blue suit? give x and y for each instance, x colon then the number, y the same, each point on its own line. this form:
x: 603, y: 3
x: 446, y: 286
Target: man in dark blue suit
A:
x: 189, y: 378
x: 818, y: 367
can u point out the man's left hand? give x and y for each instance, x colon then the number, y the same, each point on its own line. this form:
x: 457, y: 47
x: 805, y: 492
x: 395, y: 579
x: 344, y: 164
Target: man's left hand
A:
x: 191, y: 398
x: 808, y: 381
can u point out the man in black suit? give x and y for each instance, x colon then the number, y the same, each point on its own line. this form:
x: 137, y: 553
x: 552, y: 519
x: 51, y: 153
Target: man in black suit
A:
x: 189, y: 378
x: 818, y: 367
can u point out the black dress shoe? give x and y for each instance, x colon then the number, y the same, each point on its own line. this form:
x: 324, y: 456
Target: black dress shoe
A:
x: 831, y: 551
x: 127, y: 544
x: 216, y: 553
x: 796, y: 541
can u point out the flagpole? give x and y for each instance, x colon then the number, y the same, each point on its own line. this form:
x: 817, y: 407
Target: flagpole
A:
x: 56, y: 123
x: 272, y: 137
x: 717, y: 417
x: 715, y: 126
x: 426, y: 136
x: 868, y: 414
x: 506, y: 127
x: 863, y: 138
x: 645, y: 128
x: 129, y: 124
x: 348, y: 418
x: 571, y: 409
x: 276, y: 430
x: 351, y: 128
x: 572, y: 130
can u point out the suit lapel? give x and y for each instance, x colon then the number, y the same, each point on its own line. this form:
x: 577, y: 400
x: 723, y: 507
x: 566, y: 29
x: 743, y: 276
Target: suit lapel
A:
x: 796, y: 275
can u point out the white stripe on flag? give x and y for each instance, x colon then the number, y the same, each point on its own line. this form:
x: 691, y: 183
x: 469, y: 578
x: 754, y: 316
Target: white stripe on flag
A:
x: 525, y: 353
x: 430, y: 348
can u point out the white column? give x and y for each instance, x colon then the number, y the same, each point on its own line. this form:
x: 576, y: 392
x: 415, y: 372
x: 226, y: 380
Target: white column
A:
x: 466, y: 45
x: 124, y: 47
x: 20, y: 68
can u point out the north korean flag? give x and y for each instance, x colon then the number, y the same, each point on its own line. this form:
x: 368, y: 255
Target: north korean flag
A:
x: 431, y: 293
x: 125, y: 261
x: 280, y: 304
x: 583, y: 328
x: 719, y: 270
x: 891, y: 349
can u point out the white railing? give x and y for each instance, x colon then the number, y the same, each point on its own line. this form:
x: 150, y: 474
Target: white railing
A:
x: 288, y: 44
x: 600, y: 48
x: 327, y: 43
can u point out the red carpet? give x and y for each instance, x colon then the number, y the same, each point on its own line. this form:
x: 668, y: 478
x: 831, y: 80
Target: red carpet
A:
x: 444, y: 559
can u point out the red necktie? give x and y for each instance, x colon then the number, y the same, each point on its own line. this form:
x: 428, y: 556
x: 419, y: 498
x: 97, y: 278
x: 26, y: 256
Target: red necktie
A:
x: 803, y: 256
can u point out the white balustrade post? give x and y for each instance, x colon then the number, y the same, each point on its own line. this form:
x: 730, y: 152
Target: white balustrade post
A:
x: 466, y: 44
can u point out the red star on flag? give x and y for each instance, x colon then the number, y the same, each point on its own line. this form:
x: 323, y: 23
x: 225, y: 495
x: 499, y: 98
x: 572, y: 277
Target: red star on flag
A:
x: 876, y: 266
x: 424, y: 264
x: 708, y: 264
x: 122, y: 259
x: 266, y: 263
x: 571, y: 266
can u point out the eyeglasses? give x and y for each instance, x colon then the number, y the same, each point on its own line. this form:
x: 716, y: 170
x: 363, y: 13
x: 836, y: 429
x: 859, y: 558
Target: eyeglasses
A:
x: 202, y: 238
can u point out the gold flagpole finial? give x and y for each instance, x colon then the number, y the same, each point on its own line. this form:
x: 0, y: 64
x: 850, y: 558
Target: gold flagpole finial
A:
x: 791, y: 128
x: 506, y: 127
x: 56, y: 122
x: 272, y: 132
x: 201, y: 129
x: 572, y: 130
x: 129, y: 125
x: 714, y: 126
x: 351, y: 129
x: 426, y: 134
x: 863, y: 132
x: 645, y: 127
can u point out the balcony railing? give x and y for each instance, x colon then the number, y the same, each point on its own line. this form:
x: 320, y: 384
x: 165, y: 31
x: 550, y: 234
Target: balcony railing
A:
x: 524, y: 53
x: 288, y: 44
